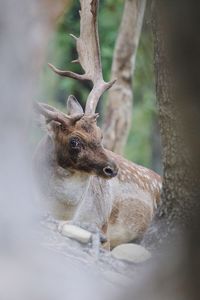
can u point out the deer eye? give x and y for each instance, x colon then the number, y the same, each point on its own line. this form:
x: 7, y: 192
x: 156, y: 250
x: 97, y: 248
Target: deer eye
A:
x: 74, y: 143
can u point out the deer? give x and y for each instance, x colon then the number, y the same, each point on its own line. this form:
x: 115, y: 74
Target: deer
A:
x: 79, y: 180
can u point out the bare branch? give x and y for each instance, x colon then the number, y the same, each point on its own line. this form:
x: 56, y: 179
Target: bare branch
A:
x: 75, y: 61
x: 116, y: 128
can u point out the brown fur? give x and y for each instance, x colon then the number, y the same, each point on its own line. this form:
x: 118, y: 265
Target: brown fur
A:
x: 114, y: 213
x: 92, y: 158
x: 143, y: 177
x: 72, y: 160
x: 132, y: 216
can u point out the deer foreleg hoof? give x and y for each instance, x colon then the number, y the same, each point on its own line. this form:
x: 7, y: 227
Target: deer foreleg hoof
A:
x: 98, y: 242
x: 83, y: 233
x: 93, y: 229
x: 74, y: 232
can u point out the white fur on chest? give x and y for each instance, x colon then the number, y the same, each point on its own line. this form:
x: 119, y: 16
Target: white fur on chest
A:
x: 69, y: 188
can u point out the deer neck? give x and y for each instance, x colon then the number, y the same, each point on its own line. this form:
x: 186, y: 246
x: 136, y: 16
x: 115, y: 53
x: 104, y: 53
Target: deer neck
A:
x: 57, y: 184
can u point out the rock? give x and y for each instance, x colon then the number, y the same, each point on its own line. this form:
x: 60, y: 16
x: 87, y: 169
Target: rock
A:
x: 131, y: 253
x: 76, y: 233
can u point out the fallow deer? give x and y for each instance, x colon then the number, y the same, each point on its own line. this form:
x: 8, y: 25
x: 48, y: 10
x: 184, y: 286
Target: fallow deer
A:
x: 79, y: 179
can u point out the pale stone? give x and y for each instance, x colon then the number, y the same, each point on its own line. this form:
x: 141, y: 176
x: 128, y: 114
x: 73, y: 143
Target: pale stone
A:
x: 131, y: 253
x: 76, y: 233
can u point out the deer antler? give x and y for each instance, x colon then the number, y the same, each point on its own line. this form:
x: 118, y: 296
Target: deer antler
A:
x: 52, y: 113
x: 89, y: 55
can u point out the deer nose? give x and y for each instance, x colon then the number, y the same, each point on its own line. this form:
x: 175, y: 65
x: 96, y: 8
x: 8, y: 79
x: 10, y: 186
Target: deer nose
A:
x: 110, y: 171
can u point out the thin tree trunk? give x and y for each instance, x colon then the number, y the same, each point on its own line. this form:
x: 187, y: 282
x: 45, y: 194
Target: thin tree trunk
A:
x: 120, y: 97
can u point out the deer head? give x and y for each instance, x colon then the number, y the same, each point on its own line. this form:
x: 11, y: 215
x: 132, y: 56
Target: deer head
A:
x: 77, y: 139
x: 76, y: 136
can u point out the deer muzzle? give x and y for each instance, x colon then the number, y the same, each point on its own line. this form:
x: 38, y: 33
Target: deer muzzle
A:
x: 110, y: 170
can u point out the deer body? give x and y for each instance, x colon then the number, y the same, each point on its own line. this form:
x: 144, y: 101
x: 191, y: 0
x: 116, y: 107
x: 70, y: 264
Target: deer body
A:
x: 79, y: 179
x: 121, y: 207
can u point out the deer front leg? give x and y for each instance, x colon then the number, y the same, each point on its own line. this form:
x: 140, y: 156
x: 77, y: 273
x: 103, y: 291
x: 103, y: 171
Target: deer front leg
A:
x: 85, y: 233
x: 93, y: 212
x: 80, y: 231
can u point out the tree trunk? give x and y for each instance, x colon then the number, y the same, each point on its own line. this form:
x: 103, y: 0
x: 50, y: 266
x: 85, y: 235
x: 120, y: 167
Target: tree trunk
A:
x: 177, y: 64
x: 120, y: 97
x: 156, y: 161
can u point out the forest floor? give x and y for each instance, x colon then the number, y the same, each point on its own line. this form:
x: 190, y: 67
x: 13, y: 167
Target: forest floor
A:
x: 89, y: 257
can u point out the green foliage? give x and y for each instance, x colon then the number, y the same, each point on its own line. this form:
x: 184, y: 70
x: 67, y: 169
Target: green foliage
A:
x: 139, y: 146
x: 62, y: 52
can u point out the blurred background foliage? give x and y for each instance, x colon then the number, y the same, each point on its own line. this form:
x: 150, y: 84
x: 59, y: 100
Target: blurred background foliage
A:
x: 143, y: 144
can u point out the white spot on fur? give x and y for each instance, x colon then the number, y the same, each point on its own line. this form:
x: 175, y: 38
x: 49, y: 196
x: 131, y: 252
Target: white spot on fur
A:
x: 122, y: 178
x: 126, y: 164
x: 147, y: 177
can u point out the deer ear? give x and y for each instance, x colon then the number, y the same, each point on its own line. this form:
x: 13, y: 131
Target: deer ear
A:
x: 73, y: 106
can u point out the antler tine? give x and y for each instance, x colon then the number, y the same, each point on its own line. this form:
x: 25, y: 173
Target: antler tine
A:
x: 68, y: 73
x: 52, y: 113
x: 89, y: 54
x: 49, y: 112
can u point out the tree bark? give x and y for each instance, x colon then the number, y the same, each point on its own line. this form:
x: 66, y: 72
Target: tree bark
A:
x: 156, y: 161
x: 120, y: 97
x: 177, y: 86
x: 177, y: 65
